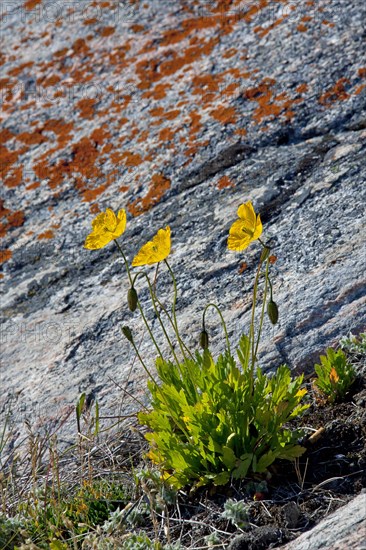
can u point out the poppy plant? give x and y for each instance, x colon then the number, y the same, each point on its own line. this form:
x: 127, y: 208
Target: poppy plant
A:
x: 246, y: 229
x: 106, y: 227
x: 154, y: 251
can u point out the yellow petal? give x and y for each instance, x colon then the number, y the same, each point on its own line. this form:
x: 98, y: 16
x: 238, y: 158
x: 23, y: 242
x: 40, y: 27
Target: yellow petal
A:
x: 246, y: 229
x: 121, y: 223
x: 97, y: 240
x: 98, y: 222
x: 110, y: 220
x: 239, y: 236
x: 246, y: 212
x: 154, y: 251
x: 258, y: 228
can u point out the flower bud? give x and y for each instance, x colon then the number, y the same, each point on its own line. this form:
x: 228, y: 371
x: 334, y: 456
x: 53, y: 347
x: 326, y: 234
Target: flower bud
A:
x: 132, y: 298
x: 204, y: 339
x: 272, y: 311
x: 265, y: 253
x: 127, y: 332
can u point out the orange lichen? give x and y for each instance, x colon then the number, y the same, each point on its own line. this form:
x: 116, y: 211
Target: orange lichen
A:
x: 131, y: 159
x: 191, y: 151
x: 262, y: 32
x: 46, y: 235
x: 156, y: 111
x: 3, y: 211
x: 225, y: 115
x: 157, y: 188
x: 90, y: 195
x: 267, y: 106
x: 90, y: 21
x: 328, y: 23
x: 170, y: 115
x: 5, y: 135
x: 302, y: 88
x: 14, y: 177
x: 94, y: 208
x: 84, y: 155
x: 5, y: 255
x: 107, y: 31
x: 362, y: 72
x: 7, y: 159
x: 230, y: 53
x: 224, y: 182
x: 336, y: 93
x: 32, y: 138
x: 302, y: 28
x: 166, y: 134
x: 137, y: 28
x: 80, y: 47
x: 242, y: 267
x: 59, y: 127
x: 359, y: 89
x: 154, y: 69
x: 15, y: 219
x: 158, y: 92
x: 18, y: 70
x: 86, y: 107
x: 49, y: 81
x: 34, y: 185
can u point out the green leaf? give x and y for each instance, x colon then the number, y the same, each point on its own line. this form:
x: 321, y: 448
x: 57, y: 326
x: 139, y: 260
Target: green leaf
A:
x: 242, y: 466
x: 228, y: 457
x: 221, y: 479
x: 58, y: 545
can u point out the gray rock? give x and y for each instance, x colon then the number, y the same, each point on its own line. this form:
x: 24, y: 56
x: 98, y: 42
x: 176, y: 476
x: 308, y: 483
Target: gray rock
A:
x: 178, y: 112
x: 260, y: 539
x: 345, y: 529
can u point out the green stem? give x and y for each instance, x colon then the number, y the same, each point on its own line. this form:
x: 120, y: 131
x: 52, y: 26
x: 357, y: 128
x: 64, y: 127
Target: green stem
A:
x: 270, y: 286
x: 153, y: 299
x: 263, y: 308
x: 142, y: 362
x: 180, y: 341
x: 175, y: 323
x: 138, y: 301
x: 251, y: 332
x: 125, y: 261
x: 180, y: 427
x: 222, y: 322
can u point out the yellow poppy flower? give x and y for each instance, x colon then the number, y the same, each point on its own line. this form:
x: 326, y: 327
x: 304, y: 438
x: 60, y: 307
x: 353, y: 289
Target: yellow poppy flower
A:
x: 246, y: 229
x: 106, y: 227
x: 154, y: 251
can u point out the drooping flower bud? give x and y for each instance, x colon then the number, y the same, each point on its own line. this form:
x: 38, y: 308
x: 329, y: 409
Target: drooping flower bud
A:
x: 127, y: 333
x: 272, y: 311
x: 204, y: 339
x: 132, y: 298
x: 265, y: 253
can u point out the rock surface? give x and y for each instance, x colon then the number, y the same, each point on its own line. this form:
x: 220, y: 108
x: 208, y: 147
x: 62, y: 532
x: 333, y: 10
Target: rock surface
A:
x: 343, y: 530
x: 177, y: 112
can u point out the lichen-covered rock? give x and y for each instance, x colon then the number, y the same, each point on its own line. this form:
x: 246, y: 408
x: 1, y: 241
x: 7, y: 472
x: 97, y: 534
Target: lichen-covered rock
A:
x: 177, y: 112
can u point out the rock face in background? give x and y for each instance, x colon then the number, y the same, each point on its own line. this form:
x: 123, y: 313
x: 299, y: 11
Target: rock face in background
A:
x: 178, y: 112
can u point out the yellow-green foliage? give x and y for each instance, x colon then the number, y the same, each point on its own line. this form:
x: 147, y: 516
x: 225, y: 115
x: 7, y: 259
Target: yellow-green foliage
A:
x: 208, y: 423
x: 335, y: 375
